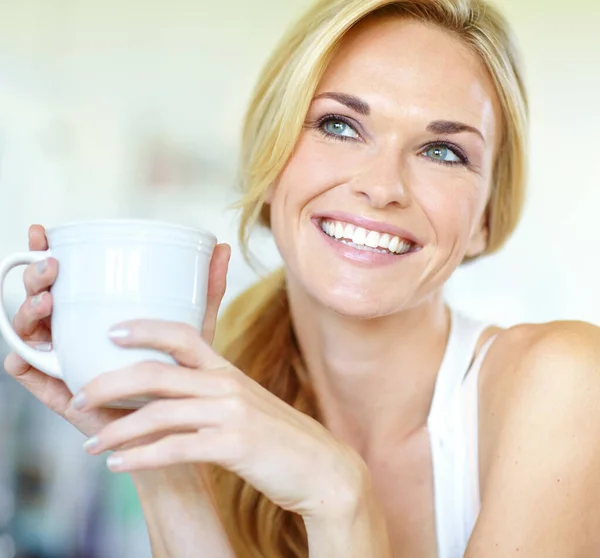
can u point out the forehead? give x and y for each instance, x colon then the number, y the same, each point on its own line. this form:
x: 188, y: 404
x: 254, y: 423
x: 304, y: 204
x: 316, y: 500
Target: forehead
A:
x: 405, y: 66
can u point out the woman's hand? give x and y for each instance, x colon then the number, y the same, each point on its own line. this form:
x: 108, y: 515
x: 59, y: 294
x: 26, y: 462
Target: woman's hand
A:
x: 180, y: 514
x: 208, y: 411
x: 32, y: 324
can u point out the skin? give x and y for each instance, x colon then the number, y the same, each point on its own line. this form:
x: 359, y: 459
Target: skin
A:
x: 372, y: 336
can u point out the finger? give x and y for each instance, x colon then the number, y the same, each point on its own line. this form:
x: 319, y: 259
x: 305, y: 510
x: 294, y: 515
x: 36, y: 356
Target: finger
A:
x: 154, y: 379
x: 160, y: 417
x: 40, y: 276
x: 37, y: 238
x: 27, y: 319
x: 181, y: 341
x: 217, y: 284
x: 51, y: 392
x: 54, y: 394
x: 205, y: 446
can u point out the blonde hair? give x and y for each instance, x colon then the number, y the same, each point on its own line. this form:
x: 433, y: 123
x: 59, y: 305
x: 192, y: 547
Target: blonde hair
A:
x: 256, y: 332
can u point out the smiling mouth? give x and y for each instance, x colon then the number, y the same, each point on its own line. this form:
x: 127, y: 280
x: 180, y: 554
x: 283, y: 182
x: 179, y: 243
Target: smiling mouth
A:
x: 365, y: 239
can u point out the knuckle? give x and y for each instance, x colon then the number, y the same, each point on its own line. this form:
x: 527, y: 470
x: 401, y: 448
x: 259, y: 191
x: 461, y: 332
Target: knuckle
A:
x: 187, y: 335
x: 237, y: 408
x: 36, y: 280
x: 180, y: 450
x: 227, y: 384
x: 158, y: 413
x: 151, y: 372
x: 12, y: 364
x: 29, y: 276
x: 155, y: 372
x: 234, y: 446
x: 19, y: 321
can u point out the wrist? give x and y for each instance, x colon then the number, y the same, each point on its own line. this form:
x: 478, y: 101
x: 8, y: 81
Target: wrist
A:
x: 362, y: 532
x: 354, y: 526
x: 178, y: 481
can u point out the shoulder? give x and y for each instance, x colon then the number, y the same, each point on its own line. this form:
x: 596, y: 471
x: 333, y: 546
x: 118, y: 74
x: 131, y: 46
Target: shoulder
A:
x: 539, y: 419
x: 531, y: 356
x: 555, y: 351
x: 538, y: 370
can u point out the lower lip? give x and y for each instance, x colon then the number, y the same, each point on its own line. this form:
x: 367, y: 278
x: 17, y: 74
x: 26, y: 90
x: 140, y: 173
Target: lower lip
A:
x: 366, y: 257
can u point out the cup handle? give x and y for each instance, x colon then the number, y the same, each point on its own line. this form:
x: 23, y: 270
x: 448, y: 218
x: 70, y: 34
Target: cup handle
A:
x: 46, y: 361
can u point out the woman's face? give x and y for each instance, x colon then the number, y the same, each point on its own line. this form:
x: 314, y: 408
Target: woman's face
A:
x: 386, y: 190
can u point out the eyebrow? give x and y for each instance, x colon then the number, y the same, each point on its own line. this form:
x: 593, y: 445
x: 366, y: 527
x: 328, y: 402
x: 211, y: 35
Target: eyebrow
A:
x: 352, y: 102
x: 448, y: 127
x: 436, y: 127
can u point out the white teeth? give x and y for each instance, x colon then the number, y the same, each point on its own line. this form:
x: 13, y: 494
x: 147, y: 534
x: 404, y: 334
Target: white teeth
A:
x: 360, y: 235
x: 384, y: 241
x: 402, y: 248
x: 364, y: 239
x: 372, y: 240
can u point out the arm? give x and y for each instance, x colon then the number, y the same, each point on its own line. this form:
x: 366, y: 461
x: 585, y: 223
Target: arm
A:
x: 209, y: 412
x: 182, y: 519
x: 181, y: 513
x: 541, y: 490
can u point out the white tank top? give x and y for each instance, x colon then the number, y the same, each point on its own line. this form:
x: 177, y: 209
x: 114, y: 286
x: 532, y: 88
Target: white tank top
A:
x: 453, y: 431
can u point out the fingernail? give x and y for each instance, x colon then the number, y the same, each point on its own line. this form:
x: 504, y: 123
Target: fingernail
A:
x: 46, y: 347
x: 41, y: 266
x: 37, y: 299
x: 79, y: 401
x: 114, y: 462
x: 119, y: 333
x: 91, y: 443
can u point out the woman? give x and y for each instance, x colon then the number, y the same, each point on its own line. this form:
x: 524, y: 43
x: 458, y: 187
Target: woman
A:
x: 346, y: 410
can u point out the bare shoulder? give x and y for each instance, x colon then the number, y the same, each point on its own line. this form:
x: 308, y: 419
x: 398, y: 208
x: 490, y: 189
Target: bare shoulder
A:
x: 530, y: 352
x: 535, y: 365
x: 529, y: 342
x: 539, y: 419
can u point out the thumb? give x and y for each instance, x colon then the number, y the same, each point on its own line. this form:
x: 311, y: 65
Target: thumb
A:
x: 217, y: 284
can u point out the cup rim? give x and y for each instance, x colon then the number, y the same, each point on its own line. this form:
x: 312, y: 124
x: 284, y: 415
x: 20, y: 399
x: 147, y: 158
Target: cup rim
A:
x: 154, y: 223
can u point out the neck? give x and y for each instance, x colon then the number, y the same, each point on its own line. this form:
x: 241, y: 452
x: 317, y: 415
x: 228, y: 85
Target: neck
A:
x: 374, y: 378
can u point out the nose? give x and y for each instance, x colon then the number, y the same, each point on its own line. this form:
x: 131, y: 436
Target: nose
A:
x: 384, y: 181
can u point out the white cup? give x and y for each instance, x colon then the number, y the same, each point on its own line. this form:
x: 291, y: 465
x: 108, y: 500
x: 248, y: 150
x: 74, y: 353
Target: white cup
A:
x: 112, y: 271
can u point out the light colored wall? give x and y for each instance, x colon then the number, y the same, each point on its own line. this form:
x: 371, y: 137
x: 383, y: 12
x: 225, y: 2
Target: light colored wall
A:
x: 88, y: 89
x: 550, y: 268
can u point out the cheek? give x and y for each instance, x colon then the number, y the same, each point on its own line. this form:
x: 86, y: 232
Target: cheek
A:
x: 316, y: 166
x: 452, y: 205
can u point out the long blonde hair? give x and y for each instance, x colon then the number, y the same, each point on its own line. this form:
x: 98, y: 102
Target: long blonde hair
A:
x: 256, y: 332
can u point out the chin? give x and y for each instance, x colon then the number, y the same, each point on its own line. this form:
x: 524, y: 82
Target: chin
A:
x: 360, y: 304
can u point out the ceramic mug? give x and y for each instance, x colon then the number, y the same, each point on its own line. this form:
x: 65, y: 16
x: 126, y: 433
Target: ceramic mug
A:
x: 112, y: 271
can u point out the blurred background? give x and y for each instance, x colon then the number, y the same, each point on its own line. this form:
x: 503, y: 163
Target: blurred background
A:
x: 130, y: 108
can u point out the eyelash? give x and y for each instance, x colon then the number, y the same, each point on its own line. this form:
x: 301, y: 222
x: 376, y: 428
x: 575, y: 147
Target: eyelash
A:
x: 464, y: 160
x: 320, y: 123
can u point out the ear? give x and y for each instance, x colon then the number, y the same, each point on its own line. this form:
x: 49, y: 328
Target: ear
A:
x: 479, y: 238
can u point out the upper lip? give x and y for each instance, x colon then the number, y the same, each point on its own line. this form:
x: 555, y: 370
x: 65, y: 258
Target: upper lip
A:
x: 369, y: 224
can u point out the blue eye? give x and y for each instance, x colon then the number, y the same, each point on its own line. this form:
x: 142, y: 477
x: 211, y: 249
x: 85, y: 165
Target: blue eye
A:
x: 339, y: 128
x: 444, y: 154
